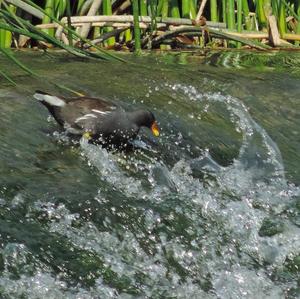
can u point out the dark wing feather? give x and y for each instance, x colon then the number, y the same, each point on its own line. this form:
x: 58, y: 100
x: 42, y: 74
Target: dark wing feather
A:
x: 86, y: 113
x: 90, y: 103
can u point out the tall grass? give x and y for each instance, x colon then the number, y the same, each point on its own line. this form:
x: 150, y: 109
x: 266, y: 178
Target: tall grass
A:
x: 6, y: 35
x: 235, y: 13
x: 11, y: 23
x: 239, y: 15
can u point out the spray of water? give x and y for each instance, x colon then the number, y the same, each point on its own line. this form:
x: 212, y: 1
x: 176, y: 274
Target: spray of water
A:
x: 190, y: 236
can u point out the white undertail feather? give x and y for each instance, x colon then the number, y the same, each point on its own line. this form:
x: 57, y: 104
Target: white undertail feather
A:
x: 51, y: 100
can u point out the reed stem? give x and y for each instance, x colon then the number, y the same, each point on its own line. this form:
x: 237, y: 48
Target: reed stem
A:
x: 165, y: 9
x: 143, y: 7
x: 246, y: 14
x: 49, y: 9
x: 262, y: 20
x: 224, y: 12
x: 185, y: 7
x: 2, y: 38
x: 79, y: 6
x: 153, y: 12
x: 230, y: 18
x: 159, y: 7
x: 68, y: 8
x: 230, y: 14
x: 297, y: 9
x: 239, y: 18
x: 164, y: 14
x: 60, y: 7
x: 137, y: 32
x: 281, y: 19
x: 175, y: 13
x: 107, y: 10
x: 6, y: 35
x: 193, y: 12
x: 213, y: 10
x: 275, y: 7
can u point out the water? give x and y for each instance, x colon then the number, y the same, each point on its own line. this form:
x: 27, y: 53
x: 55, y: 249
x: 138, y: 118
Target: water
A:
x: 210, y: 209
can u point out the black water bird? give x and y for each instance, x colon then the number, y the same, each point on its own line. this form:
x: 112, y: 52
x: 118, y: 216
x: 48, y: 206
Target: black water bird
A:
x: 96, y: 119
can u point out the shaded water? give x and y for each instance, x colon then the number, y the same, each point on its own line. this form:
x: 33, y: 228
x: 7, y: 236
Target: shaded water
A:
x: 208, y: 210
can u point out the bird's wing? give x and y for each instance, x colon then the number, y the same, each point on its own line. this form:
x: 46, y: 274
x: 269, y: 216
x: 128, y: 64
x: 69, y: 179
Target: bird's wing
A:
x: 85, y: 114
x: 86, y: 104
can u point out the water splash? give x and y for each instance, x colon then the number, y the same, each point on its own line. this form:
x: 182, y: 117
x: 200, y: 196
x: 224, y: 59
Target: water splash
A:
x: 187, y: 229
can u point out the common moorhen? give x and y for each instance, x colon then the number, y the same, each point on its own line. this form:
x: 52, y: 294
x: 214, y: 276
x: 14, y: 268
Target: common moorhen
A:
x: 96, y: 119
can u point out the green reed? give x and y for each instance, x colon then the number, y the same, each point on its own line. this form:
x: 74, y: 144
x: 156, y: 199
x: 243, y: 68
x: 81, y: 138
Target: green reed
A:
x: 297, y: 10
x: 281, y: 18
x: 107, y: 10
x: 137, y: 31
x: 213, y: 10
x: 246, y: 14
x: 185, y: 7
x: 49, y: 9
x: 239, y: 18
x: 174, y: 9
x: 143, y: 8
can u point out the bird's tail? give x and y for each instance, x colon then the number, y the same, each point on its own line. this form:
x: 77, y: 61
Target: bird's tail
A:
x: 49, y: 100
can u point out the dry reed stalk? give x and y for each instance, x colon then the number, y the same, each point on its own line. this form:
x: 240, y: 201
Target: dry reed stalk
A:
x: 248, y: 35
x: 129, y: 18
x: 291, y: 36
x: 244, y: 34
x: 274, y: 36
x: 84, y: 31
x: 120, y: 9
x: 103, y: 24
x: 197, y: 31
x: 201, y: 9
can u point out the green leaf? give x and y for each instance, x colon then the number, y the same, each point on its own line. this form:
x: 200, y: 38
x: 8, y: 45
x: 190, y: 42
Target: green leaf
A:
x: 9, y: 55
x: 8, y: 78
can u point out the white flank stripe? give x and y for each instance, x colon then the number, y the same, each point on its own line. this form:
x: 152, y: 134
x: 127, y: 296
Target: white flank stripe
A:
x: 101, y: 112
x: 90, y: 115
x: 79, y: 119
x: 85, y: 117
x: 51, y: 100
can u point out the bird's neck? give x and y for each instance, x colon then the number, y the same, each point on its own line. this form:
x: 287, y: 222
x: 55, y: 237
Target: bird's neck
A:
x: 138, y: 117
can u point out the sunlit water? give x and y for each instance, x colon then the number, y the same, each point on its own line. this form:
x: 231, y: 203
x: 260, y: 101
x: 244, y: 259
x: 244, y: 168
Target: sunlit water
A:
x: 210, y: 209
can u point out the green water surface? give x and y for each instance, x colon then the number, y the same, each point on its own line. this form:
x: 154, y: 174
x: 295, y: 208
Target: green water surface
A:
x: 210, y: 209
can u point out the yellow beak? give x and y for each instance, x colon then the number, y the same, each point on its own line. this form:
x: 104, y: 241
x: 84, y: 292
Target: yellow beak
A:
x: 155, y: 129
